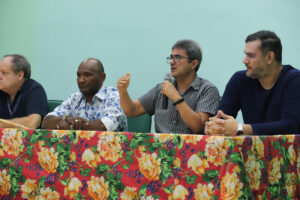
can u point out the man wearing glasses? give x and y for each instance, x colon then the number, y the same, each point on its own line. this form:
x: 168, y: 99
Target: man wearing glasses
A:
x: 191, y: 99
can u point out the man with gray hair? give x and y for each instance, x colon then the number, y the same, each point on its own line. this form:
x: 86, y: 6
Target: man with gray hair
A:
x: 192, y: 100
x: 23, y: 101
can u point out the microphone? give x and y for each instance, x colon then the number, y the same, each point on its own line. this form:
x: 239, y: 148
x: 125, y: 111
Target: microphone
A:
x: 168, y: 77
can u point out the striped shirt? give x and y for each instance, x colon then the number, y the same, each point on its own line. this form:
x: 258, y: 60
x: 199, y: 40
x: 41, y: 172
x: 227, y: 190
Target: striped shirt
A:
x: 201, y: 96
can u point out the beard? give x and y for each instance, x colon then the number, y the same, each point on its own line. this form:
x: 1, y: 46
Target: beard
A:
x: 258, y: 72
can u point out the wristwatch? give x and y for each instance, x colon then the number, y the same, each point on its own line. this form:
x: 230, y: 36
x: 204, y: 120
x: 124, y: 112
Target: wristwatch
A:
x: 240, y: 129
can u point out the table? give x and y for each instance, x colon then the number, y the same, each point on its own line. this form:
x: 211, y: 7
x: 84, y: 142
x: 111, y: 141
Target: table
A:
x: 58, y: 164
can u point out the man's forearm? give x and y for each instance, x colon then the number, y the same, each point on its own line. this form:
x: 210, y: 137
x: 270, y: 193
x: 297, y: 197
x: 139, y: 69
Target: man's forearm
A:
x: 10, y: 124
x: 127, y: 104
x: 30, y: 121
x: 195, y: 121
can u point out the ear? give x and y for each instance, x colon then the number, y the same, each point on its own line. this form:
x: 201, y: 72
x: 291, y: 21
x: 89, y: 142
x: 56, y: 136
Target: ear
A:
x: 20, y: 75
x: 102, y: 77
x: 270, y: 57
x: 194, y: 64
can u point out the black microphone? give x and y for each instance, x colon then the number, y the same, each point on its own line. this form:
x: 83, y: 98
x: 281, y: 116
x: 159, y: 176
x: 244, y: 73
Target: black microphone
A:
x: 168, y: 77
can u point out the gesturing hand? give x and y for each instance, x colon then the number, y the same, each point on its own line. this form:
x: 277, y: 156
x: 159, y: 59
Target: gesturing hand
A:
x: 123, y: 83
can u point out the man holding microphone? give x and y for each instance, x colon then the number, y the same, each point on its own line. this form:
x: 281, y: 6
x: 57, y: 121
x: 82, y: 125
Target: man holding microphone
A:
x: 191, y: 99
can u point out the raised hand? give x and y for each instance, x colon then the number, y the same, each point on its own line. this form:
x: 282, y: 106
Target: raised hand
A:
x: 123, y: 83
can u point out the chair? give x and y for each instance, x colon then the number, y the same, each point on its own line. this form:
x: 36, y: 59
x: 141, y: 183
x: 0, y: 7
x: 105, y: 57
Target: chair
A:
x: 52, y: 104
x: 140, y: 124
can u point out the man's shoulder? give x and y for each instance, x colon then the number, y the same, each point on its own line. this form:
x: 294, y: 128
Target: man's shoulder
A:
x: 107, y: 89
x: 290, y: 71
x: 32, y: 85
x: 107, y: 92
x: 204, y: 82
x: 201, y: 84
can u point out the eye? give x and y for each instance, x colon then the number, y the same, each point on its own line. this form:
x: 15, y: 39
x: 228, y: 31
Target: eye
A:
x: 177, y: 57
x: 87, y: 74
x: 250, y: 55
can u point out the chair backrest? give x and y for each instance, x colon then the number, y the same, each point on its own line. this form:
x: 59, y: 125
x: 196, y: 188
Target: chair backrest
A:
x: 140, y: 124
x: 53, y: 104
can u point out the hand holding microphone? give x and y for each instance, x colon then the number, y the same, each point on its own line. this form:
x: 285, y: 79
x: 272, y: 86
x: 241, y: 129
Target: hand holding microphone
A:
x: 164, y: 88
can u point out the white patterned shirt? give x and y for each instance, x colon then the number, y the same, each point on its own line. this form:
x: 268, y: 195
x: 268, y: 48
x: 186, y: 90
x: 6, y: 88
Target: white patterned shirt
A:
x: 105, y: 106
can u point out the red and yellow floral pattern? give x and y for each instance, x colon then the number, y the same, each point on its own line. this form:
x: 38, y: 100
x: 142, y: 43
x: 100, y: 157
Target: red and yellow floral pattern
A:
x: 4, y: 183
x: 93, y: 165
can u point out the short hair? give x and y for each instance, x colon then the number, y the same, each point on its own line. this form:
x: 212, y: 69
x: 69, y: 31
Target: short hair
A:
x: 269, y: 42
x: 20, y: 63
x: 192, y: 50
x: 98, y: 63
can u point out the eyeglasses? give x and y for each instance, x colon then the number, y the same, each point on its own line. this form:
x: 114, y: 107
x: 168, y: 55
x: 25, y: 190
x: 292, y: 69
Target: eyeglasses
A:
x: 176, y: 58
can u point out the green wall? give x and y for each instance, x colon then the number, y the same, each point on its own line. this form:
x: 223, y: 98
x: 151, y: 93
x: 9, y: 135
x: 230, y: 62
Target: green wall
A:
x: 18, y: 29
x: 135, y: 36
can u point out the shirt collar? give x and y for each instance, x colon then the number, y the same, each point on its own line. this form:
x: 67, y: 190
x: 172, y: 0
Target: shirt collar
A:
x: 99, y: 95
x: 195, y: 84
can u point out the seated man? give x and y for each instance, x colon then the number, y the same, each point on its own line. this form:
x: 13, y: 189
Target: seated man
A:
x: 267, y: 93
x: 95, y: 107
x: 23, y: 101
x: 191, y: 99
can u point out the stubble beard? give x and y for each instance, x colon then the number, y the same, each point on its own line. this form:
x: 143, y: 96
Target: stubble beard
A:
x: 258, y: 73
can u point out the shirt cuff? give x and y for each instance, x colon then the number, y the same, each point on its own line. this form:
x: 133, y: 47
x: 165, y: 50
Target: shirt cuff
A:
x: 52, y: 114
x: 109, y: 124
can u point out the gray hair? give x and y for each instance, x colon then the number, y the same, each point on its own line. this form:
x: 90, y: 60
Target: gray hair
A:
x: 20, y: 63
x: 192, y: 50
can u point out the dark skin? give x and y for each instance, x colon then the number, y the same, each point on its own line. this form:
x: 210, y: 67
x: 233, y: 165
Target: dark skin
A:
x: 89, y: 80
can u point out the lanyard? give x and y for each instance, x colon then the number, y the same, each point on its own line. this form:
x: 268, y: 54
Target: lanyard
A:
x: 8, y: 105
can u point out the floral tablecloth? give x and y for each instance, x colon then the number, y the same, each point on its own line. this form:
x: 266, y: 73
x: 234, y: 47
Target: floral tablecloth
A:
x: 50, y: 164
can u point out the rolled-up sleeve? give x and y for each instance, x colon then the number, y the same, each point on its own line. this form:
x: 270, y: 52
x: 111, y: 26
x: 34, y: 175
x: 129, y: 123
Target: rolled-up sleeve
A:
x: 112, y: 115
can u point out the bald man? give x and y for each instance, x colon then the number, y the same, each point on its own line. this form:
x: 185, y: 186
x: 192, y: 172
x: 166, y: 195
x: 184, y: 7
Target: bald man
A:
x: 95, y: 107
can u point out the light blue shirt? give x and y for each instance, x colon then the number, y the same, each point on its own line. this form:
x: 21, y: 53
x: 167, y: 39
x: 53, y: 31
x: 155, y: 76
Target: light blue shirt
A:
x: 105, y: 106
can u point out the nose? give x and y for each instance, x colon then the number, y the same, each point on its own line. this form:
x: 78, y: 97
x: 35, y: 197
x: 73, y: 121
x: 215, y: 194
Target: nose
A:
x: 172, y: 62
x: 80, y: 79
x: 246, y: 61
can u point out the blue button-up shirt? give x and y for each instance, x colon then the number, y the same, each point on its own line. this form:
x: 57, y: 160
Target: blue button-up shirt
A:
x: 105, y: 106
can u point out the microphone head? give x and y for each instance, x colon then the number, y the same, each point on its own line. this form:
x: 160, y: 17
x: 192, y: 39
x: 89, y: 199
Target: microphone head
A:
x: 168, y: 77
